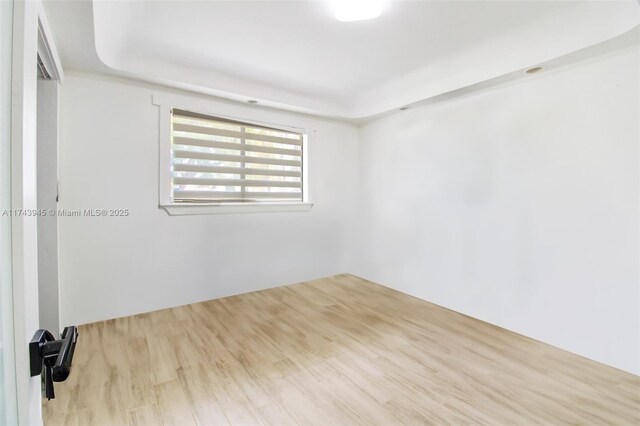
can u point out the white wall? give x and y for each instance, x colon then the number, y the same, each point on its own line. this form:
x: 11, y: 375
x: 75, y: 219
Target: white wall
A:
x: 518, y: 206
x: 112, y: 267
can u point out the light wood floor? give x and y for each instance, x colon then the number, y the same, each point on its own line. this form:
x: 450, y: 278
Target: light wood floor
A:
x: 339, y: 350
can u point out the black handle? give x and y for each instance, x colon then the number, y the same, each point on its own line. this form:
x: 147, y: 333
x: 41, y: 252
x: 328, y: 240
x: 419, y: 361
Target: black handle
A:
x: 47, y: 381
x: 62, y: 367
x: 36, y: 350
x: 54, y: 355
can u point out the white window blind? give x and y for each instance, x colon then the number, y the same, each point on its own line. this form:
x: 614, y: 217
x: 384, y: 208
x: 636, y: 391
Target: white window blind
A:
x: 220, y: 160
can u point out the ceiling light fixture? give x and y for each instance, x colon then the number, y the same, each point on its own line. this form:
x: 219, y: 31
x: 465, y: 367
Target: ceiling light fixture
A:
x: 356, y: 10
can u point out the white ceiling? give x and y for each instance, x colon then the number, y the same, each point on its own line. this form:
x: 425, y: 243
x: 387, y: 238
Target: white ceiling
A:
x: 296, y: 55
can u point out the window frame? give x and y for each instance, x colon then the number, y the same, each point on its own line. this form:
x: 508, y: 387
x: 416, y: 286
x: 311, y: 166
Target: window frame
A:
x: 166, y: 104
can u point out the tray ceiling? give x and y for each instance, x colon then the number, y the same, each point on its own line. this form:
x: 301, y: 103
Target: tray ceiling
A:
x: 296, y: 55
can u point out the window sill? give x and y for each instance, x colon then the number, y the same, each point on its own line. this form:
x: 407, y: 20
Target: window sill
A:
x: 219, y: 208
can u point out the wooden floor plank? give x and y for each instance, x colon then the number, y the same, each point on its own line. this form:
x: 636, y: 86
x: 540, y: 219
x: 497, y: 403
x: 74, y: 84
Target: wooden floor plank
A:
x: 173, y: 404
x: 339, y: 350
x: 146, y: 415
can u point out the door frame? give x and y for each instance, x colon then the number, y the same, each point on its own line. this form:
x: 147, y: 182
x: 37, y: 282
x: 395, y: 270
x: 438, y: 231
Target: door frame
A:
x: 29, y: 22
x: 48, y: 139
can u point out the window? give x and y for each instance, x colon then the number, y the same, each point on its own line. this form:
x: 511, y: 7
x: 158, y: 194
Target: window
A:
x: 219, y: 161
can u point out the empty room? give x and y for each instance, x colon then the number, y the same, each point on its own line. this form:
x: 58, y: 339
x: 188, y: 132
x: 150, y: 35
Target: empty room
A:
x: 319, y: 212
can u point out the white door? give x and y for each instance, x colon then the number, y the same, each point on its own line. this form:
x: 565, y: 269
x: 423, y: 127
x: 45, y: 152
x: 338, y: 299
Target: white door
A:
x: 23, y: 198
x: 8, y: 402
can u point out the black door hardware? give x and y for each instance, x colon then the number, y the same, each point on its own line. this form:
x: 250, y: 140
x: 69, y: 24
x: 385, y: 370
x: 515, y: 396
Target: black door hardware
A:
x: 52, y: 358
